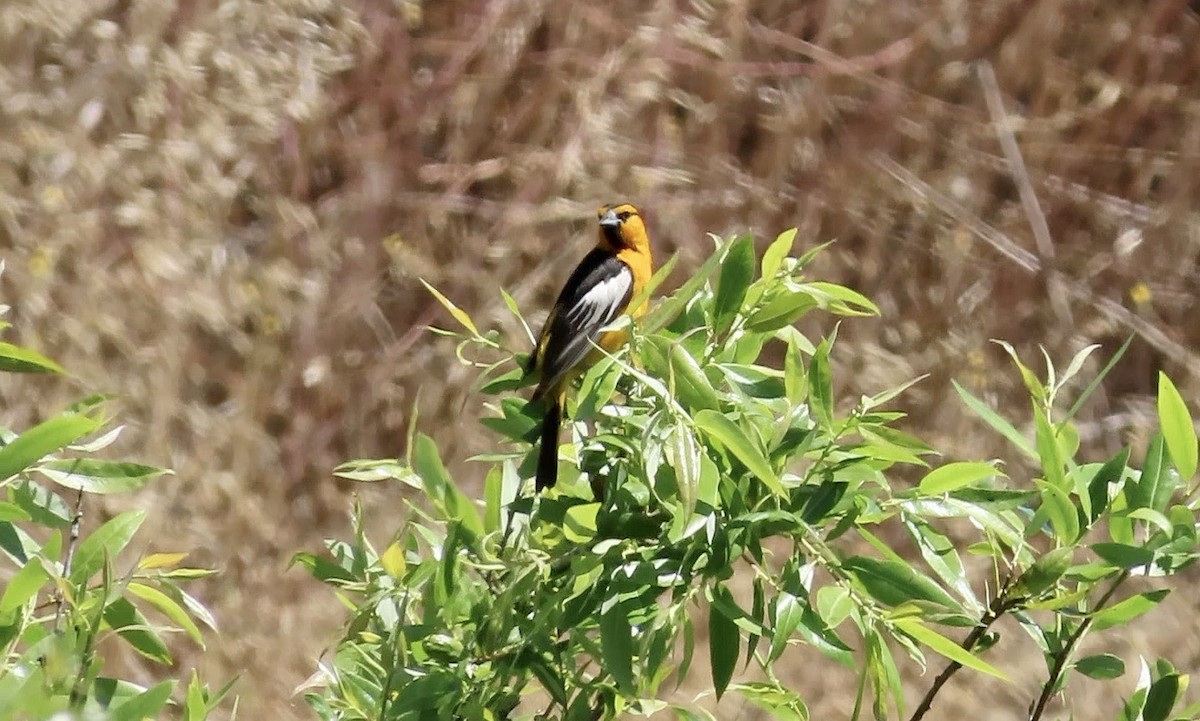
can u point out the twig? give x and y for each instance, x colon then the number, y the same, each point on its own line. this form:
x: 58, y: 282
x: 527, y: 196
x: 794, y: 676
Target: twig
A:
x: 72, y: 542
x: 1020, y: 174
x: 999, y: 606
x: 1060, y: 660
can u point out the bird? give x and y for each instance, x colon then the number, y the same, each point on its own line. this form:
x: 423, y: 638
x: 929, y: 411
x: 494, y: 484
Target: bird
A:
x: 600, y: 289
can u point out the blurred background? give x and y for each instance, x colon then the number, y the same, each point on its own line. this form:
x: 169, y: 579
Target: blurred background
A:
x: 219, y: 209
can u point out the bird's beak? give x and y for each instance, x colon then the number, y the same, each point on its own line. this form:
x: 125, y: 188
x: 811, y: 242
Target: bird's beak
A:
x: 610, y: 220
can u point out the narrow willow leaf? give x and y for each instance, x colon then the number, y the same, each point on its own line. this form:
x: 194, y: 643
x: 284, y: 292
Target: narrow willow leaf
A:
x: 778, y: 249
x: 780, y: 703
x: 1156, y: 484
x: 23, y: 585
x: 1128, y: 609
x: 16, y: 359
x: 719, y: 428
x: 1060, y: 511
x: 820, y: 385
x: 895, y: 582
x: 105, y: 542
x: 1103, y: 666
x: 724, y: 644
x: 1111, y: 472
x: 953, y: 476
x: 1177, y: 427
x: 692, y: 387
x: 459, y: 314
x: 42, y: 440
x: 944, y: 646
x: 616, y: 645
x: 737, y: 272
x: 169, y: 608
x: 148, y: 704
x: 997, y: 423
x: 101, y: 477
x: 788, y: 613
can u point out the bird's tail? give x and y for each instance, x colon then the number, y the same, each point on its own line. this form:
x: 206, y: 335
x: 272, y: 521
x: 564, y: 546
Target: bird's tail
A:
x: 547, y: 466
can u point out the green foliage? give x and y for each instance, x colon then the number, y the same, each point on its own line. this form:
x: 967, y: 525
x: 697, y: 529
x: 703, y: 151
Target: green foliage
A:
x: 718, y: 481
x: 66, y: 590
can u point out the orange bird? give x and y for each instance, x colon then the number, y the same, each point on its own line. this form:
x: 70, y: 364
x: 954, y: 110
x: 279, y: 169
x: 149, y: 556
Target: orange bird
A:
x: 597, y: 293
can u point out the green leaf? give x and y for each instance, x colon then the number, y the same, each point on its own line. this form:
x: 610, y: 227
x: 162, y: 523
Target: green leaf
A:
x: 1045, y: 571
x: 685, y: 458
x: 840, y: 299
x: 691, y: 385
x: 23, y: 586
x: 723, y: 647
x: 1032, y: 384
x: 1102, y: 667
x: 953, y: 476
x: 42, y: 440
x: 1177, y: 427
x: 783, y: 309
x: 944, y: 646
x: 997, y: 423
x: 458, y: 313
x: 13, y: 512
x: 1156, y: 485
x: 169, y: 608
x: 1161, y: 698
x: 895, y: 583
x: 1111, y: 472
x: 1095, y: 382
x: 780, y: 703
x: 106, y: 541
x: 616, y: 644
x: 1057, y: 506
x: 493, y: 486
x: 778, y: 249
x: 16, y: 359
x: 788, y: 613
x: 579, y: 522
x: 100, y: 477
x: 820, y: 385
x: 146, y: 705
x: 427, y: 462
x: 1122, y: 555
x: 737, y: 272
x: 725, y: 432
x: 1128, y: 609
x: 123, y: 617
x: 669, y: 308
x: 1049, y: 451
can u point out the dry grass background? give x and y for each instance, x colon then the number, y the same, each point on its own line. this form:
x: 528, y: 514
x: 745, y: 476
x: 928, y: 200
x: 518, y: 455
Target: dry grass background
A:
x: 218, y: 210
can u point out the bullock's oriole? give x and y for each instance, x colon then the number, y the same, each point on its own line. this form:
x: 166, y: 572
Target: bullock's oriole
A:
x: 597, y: 293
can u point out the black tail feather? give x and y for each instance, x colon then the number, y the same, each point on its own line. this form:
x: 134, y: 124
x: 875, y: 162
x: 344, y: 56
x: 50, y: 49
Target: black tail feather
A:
x: 547, y: 466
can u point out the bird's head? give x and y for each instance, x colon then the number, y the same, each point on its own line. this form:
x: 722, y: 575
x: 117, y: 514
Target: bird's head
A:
x: 621, y: 226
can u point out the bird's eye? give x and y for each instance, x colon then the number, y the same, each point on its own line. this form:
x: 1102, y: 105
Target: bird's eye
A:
x: 624, y: 216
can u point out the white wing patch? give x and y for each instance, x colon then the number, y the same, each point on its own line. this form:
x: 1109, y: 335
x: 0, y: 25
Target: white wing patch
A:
x: 602, y: 303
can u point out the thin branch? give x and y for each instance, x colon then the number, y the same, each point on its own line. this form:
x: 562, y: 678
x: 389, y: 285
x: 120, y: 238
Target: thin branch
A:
x: 999, y: 606
x: 72, y: 543
x: 1060, y: 660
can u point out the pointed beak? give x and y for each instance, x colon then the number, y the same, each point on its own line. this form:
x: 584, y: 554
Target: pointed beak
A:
x: 610, y: 220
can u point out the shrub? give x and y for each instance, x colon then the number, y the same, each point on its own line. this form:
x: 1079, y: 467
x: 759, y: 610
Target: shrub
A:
x: 66, y: 591
x: 712, y: 462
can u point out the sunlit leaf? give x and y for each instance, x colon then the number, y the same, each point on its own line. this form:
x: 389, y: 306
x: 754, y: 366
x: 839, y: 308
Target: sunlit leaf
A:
x: 944, y: 646
x: 1177, y: 427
